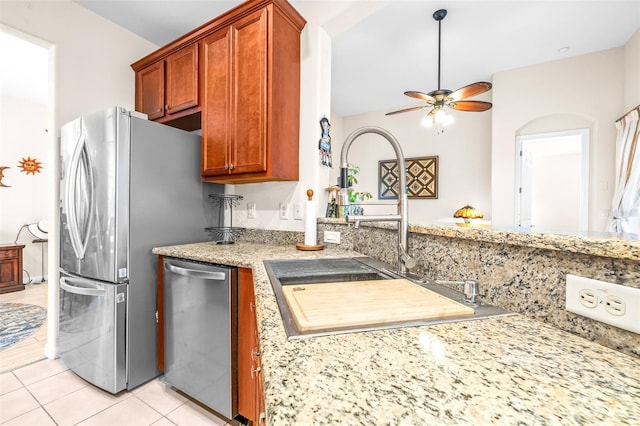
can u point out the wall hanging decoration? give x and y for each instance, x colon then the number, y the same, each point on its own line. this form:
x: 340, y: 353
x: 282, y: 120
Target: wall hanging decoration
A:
x: 2, y: 176
x: 422, y: 178
x: 30, y: 165
x: 324, y: 145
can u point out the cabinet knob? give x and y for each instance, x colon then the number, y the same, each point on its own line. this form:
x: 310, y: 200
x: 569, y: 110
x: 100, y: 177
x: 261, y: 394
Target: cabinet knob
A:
x: 226, y: 167
x: 230, y: 166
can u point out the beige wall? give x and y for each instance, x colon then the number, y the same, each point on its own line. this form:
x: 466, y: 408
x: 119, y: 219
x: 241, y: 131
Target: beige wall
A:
x: 90, y: 70
x: 92, y: 55
x: 463, y: 156
x: 632, y: 73
x: 583, y: 91
x: 23, y: 133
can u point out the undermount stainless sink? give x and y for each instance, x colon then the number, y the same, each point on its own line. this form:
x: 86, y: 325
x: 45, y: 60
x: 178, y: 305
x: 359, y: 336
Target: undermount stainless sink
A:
x: 336, y: 270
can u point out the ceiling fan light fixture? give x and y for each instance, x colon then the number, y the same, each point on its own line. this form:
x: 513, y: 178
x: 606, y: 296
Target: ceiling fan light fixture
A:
x: 427, y: 121
x: 439, y: 117
x: 441, y: 98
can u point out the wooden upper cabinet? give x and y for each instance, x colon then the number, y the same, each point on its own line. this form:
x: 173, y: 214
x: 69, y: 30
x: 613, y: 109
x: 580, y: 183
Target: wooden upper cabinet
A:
x: 216, y: 50
x: 150, y: 91
x: 182, y: 80
x: 234, y: 123
x: 237, y: 77
x: 251, y: 108
x: 168, y: 89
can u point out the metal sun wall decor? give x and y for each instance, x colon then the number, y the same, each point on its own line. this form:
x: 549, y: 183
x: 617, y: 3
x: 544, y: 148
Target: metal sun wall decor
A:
x: 30, y: 165
x: 422, y: 178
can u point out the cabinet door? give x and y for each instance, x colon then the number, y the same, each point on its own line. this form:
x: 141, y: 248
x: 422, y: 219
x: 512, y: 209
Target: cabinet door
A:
x: 216, y: 108
x: 248, y: 349
x: 182, y: 80
x: 150, y: 90
x: 249, y: 94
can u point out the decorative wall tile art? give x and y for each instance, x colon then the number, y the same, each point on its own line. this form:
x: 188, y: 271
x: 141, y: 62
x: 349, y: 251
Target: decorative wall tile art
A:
x: 422, y: 178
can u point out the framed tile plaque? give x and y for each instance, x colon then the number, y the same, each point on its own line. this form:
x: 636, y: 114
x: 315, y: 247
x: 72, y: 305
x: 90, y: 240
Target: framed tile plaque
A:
x: 422, y: 178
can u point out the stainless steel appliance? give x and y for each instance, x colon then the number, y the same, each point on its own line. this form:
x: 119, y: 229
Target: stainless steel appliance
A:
x: 127, y: 185
x: 200, y: 329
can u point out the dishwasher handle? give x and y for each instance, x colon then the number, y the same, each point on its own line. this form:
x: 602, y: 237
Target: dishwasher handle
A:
x: 208, y: 275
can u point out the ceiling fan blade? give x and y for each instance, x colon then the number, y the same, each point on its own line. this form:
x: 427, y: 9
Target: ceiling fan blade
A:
x: 470, y: 90
x: 408, y: 109
x: 474, y: 106
x: 422, y: 96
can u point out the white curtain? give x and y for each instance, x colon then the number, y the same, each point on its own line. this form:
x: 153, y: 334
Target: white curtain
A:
x: 625, y: 207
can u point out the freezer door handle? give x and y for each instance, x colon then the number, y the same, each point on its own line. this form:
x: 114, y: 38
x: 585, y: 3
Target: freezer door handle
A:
x: 92, y: 290
x: 208, y: 275
x: 80, y: 189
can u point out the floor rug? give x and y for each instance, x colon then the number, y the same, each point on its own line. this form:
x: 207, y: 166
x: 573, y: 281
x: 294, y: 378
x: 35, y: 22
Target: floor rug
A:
x: 18, y: 321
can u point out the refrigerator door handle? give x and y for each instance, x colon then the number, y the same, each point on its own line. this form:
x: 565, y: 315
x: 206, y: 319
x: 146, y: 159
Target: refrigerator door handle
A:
x: 80, y: 158
x: 208, y: 275
x: 93, y: 290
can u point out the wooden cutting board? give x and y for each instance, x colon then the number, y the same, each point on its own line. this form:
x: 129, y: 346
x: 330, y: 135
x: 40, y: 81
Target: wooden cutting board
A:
x: 366, y: 303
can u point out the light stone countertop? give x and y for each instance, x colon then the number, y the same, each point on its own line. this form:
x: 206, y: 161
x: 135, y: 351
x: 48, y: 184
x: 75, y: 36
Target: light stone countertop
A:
x: 502, y: 371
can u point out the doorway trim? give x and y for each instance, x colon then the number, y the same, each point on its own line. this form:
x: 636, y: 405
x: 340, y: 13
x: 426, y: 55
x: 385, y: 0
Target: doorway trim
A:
x: 522, y: 140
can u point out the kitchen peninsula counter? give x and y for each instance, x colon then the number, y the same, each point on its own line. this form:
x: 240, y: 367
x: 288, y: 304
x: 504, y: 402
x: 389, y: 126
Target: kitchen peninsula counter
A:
x: 503, y: 370
x: 605, y: 244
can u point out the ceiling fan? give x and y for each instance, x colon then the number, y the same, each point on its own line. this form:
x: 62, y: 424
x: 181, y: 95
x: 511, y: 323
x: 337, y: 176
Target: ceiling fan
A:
x: 441, y: 98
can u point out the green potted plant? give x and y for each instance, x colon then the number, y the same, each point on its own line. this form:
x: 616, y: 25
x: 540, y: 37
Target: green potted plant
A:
x: 355, y: 197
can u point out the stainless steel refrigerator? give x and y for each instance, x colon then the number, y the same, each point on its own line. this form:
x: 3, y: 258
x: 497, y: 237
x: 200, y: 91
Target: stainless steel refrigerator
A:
x: 126, y: 185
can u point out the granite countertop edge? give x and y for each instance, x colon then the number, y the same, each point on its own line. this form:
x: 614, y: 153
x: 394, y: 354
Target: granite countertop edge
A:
x: 503, y: 370
x: 606, y: 244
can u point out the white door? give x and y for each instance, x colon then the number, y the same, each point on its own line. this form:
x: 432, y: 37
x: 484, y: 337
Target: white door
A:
x: 552, y: 181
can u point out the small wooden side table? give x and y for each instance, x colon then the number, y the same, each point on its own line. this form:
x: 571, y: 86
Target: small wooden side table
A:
x: 11, y: 267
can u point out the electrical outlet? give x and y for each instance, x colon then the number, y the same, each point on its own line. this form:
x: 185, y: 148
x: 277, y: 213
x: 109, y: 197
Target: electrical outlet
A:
x: 610, y: 303
x: 284, y: 211
x: 332, y: 237
x: 297, y: 211
x: 251, y: 210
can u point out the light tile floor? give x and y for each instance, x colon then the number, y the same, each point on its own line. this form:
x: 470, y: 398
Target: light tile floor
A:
x: 47, y: 393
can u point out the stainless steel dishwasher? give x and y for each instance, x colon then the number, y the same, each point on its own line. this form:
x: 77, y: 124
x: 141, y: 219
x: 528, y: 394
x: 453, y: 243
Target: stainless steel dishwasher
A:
x: 200, y: 332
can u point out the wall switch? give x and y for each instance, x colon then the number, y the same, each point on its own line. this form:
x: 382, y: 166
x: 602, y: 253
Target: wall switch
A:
x: 284, y: 211
x: 297, y: 211
x: 251, y: 210
x: 613, y: 304
x: 332, y: 237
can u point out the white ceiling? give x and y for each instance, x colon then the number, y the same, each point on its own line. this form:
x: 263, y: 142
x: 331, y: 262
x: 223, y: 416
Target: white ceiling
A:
x: 380, y: 48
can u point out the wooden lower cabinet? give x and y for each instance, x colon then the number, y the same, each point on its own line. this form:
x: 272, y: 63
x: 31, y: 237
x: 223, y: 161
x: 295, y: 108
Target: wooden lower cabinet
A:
x: 250, y: 395
x: 11, y: 268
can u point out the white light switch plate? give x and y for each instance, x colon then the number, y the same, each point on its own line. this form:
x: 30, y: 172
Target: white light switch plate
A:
x: 610, y: 303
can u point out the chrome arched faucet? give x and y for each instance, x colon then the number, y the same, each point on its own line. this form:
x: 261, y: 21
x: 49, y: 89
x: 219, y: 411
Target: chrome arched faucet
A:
x: 405, y: 262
